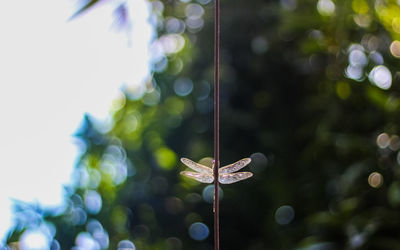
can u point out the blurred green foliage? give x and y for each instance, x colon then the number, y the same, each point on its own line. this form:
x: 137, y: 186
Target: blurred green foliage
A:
x: 310, y: 90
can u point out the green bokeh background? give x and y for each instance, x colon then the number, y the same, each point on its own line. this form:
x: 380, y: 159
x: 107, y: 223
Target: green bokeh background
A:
x: 324, y: 142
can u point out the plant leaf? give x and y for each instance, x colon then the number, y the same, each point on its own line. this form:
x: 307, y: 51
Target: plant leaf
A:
x: 89, y: 4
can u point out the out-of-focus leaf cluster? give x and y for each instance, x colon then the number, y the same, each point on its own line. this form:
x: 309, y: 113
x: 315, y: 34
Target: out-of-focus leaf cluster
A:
x: 310, y: 91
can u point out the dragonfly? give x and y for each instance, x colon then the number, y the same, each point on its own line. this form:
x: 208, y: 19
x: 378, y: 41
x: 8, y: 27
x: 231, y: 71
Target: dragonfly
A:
x: 226, y: 175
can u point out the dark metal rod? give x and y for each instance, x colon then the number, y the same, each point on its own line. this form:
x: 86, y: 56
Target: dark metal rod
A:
x: 216, y: 124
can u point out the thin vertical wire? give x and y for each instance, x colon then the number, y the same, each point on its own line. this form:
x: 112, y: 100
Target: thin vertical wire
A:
x: 216, y: 124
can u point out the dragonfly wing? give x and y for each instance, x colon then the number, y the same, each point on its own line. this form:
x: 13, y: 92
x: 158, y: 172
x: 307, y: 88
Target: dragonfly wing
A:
x: 235, y: 166
x: 201, y: 177
x: 234, y: 177
x: 196, y: 166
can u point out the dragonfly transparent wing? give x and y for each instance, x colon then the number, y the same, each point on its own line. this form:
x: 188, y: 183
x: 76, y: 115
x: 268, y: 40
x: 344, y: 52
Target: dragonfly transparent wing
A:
x: 201, y: 177
x: 196, y: 166
x: 234, y: 177
x: 235, y: 166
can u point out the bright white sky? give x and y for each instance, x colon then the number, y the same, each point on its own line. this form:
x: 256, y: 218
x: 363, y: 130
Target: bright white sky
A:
x: 51, y: 73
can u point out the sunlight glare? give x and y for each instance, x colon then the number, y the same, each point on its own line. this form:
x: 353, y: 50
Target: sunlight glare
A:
x: 53, y: 72
x: 34, y: 239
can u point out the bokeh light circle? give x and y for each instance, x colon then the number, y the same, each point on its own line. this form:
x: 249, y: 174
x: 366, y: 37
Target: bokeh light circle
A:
x: 354, y: 72
x: 395, y: 49
x: 284, y: 215
x: 326, y: 7
x: 375, y: 180
x: 259, y: 45
x: 174, y: 243
x: 198, y: 231
x: 357, y: 58
x: 258, y: 162
x: 383, y: 140
x: 93, y: 202
x: 208, y: 194
x: 183, y: 86
x: 85, y: 241
x: 381, y: 77
x: 126, y: 245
